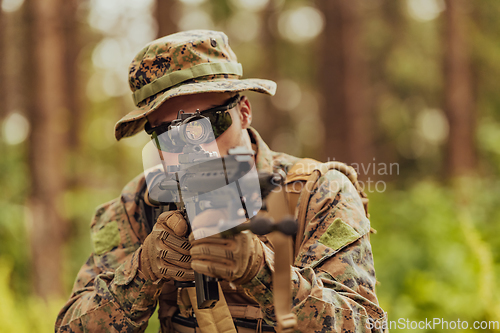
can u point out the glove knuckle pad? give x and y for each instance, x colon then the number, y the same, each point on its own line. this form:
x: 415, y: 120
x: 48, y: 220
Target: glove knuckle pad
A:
x: 173, y: 220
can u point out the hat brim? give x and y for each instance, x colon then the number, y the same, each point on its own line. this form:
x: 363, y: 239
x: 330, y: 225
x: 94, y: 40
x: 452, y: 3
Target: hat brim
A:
x: 134, y: 121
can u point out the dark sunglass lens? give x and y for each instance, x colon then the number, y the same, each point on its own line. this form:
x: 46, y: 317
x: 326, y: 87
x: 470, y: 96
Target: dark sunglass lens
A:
x: 220, y: 121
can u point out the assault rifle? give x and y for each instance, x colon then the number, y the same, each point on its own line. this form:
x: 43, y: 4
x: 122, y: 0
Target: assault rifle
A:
x: 202, y: 180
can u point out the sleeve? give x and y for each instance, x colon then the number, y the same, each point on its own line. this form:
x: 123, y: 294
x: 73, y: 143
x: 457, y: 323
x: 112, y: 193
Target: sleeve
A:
x: 110, y: 294
x: 333, y: 277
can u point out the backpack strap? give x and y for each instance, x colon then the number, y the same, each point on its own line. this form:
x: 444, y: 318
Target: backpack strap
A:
x: 301, y: 180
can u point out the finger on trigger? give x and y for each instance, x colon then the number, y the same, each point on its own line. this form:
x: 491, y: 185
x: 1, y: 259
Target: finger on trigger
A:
x: 214, y: 239
x: 212, y: 254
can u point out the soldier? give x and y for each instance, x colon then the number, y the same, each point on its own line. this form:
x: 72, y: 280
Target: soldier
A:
x: 140, y: 249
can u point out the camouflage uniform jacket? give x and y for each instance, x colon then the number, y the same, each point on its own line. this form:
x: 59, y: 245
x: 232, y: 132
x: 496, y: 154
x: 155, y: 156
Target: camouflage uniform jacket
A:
x: 333, y: 274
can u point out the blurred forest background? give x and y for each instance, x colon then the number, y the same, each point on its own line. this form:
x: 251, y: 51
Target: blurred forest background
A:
x: 412, y: 84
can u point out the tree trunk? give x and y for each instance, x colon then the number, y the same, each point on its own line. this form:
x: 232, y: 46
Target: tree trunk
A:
x: 269, y: 70
x: 73, y: 89
x: 72, y: 75
x: 459, y: 104
x: 343, y: 75
x: 48, y: 117
x: 12, y: 31
x: 163, y: 14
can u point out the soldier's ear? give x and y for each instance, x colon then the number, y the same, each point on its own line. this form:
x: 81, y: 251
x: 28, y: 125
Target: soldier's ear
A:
x: 245, y: 112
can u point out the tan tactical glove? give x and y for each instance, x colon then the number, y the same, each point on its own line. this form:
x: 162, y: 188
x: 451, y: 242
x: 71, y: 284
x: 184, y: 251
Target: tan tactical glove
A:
x: 165, y: 252
x: 236, y: 258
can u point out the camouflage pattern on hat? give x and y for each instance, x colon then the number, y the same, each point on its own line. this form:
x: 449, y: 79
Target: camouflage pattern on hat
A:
x: 190, y: 62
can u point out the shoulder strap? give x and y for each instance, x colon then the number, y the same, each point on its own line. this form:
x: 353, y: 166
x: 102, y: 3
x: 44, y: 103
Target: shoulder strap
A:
x: 277, y: 209
x: 307, y: 172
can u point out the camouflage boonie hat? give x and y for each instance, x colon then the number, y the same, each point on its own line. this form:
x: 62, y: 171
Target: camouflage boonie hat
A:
x: 184, y: 63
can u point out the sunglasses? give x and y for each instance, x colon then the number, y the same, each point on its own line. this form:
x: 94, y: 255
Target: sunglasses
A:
x: 219, y: 118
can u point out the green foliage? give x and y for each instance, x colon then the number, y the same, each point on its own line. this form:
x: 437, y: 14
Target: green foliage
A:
x: 24, y: 314
x: 436, y: 251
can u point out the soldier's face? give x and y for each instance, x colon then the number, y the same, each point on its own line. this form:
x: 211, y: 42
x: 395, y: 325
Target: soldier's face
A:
x: 235, y: 135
